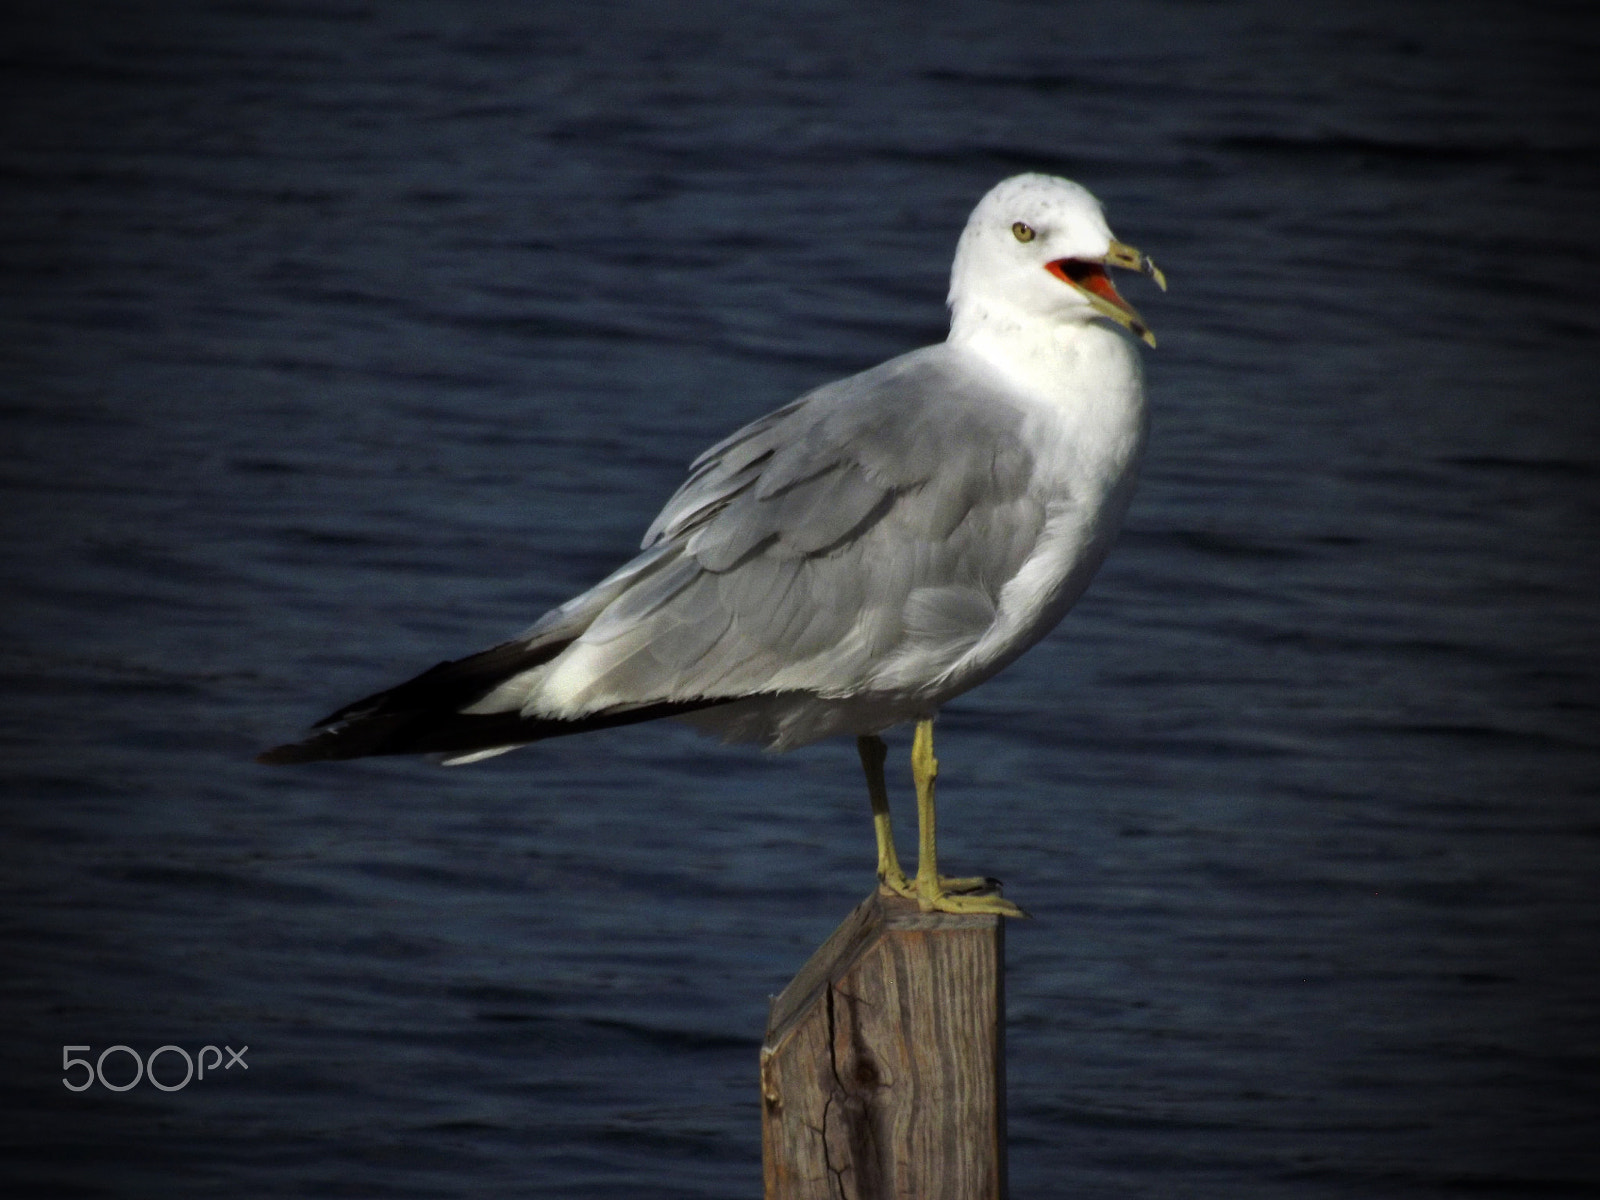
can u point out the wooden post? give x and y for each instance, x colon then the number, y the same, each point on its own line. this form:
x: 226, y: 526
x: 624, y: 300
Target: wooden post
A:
x: 883, y: 1070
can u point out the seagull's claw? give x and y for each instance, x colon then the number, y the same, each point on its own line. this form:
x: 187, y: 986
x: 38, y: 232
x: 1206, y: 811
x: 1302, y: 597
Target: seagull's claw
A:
x: 897, y: 885
x: 982, y: 902
x: 954, y: 894
x: 901, y: 885
x: 963, y: 884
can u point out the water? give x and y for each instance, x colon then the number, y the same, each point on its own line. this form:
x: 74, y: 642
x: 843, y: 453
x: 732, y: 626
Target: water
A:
x: 341, y: 339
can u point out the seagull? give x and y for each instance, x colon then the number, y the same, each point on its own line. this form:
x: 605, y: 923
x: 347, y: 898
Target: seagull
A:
x: 856, y: 558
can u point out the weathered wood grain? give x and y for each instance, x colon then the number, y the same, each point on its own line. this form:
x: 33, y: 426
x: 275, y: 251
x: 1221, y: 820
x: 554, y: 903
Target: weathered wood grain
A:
x: 883, y: 1070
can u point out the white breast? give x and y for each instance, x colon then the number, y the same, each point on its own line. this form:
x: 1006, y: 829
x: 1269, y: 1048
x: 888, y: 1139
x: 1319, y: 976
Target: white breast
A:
x: 1086, y: 388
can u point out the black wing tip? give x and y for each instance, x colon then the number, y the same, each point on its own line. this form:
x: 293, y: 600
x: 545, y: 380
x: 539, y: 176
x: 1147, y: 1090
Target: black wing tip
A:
x: 412, y: 717
x: 290, y: 754
x: 383, y: 734
x: 458, y: 733
x: 326, y: 745
x: 451, y: 685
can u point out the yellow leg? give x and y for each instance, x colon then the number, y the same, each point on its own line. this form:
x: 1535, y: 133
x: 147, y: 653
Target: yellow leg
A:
x: 890, y: 874
x: 934, y: 893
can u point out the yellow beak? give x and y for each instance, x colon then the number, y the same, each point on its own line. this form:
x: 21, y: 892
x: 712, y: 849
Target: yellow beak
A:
x: 1090, y: 278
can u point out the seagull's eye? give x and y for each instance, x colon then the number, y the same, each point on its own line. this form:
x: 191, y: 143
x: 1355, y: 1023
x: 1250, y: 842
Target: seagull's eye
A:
x: 1022, y: 231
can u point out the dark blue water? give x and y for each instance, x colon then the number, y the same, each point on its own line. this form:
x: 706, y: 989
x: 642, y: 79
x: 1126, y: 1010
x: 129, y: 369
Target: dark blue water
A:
x: 342, y: 338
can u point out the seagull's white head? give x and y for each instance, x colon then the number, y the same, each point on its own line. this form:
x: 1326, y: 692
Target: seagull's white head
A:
x: 1037, y: 247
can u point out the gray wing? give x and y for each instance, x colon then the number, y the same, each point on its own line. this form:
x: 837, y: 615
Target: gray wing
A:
x: 851, y: 545
x: 852, y: 541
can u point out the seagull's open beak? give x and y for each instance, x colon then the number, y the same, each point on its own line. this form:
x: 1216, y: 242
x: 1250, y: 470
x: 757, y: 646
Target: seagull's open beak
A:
x: 1089, y: 277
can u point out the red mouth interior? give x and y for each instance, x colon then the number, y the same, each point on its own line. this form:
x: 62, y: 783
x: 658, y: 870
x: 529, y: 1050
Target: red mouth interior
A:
x: 1090, y: 276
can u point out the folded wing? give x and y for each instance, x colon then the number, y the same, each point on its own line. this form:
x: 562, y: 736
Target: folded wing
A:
x: 852, y: 542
